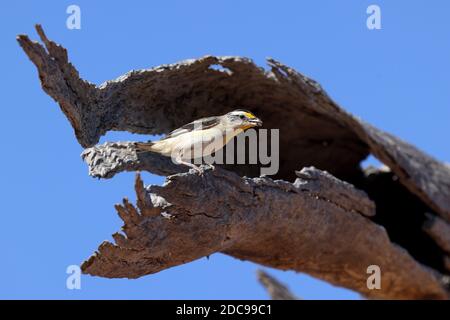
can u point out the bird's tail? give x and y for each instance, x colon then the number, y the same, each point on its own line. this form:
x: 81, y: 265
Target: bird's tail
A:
x: 143, y: 146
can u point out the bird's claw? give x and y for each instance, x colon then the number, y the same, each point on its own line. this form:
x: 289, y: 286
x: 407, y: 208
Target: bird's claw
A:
x: 201, y: 169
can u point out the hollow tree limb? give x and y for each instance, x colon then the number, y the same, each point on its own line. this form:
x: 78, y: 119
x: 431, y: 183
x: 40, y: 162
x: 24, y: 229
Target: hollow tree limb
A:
x: 289, y: 226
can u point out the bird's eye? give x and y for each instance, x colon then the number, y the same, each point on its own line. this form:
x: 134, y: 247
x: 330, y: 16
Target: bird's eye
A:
x: 242, y: 116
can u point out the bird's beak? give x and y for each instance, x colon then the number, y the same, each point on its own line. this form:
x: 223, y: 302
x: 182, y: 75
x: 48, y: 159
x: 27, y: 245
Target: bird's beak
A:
x: 255, y: 122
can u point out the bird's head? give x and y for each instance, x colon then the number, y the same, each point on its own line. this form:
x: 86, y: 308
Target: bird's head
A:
x: 242, y: 119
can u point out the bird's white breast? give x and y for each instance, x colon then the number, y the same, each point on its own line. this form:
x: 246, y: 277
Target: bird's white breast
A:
x: 195, y: 143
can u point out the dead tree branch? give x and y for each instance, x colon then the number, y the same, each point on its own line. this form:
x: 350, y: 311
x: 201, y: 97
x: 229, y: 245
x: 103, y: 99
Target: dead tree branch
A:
x: 105, y: 160
x: 309, y: 226
x: 276, y: 289
x: 319, y: 224
x: 157, y: 100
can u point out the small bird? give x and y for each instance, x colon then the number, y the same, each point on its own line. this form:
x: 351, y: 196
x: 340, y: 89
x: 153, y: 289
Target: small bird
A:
x: 201, y: 137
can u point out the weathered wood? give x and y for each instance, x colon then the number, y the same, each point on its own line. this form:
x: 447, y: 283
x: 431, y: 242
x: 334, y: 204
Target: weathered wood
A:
x: 313, y: 131
x: 289, y: 226
x: 106, y: 160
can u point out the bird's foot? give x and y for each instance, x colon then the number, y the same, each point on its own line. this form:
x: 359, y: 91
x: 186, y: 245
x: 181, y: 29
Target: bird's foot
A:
x: 198, y: 170
x: 202, y: 168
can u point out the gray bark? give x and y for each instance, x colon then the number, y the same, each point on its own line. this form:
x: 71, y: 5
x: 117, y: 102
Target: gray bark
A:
x: 319, y: 224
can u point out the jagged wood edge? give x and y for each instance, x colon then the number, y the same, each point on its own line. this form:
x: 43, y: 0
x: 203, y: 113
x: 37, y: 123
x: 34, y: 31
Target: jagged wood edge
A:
x: 86, y: 106
x: 93, y: 111
x: 316, y: 225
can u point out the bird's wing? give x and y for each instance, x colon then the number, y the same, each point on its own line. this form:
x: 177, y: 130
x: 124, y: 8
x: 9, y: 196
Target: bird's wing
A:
x: 200, y: 124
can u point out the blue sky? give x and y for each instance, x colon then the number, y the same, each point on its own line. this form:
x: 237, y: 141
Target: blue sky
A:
x: 54, y: 215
